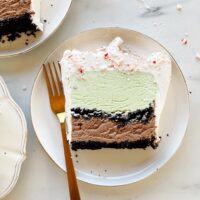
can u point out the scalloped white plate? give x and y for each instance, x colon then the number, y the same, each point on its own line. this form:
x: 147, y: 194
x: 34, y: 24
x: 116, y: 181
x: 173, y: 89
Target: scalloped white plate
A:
x: 13, y: 136
x: 53, y: 12
x: 111, y: 167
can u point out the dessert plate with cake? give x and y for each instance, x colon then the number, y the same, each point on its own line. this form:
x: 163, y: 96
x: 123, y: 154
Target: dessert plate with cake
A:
x: 12, y: 140
x: 124, y: 116
x: 27, y: 23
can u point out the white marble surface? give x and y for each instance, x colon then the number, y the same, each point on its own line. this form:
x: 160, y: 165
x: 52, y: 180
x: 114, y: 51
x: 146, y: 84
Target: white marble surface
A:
x: 40, y: 178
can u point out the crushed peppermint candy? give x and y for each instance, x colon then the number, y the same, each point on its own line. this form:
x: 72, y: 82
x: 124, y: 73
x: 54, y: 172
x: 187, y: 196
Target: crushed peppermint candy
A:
x: 106, y: 55
x: 186, y: 34
x: 184, y: 41
x: 155, y: 59
x: 81, y: 70
x: 197, y: 56
x: 179, y: 7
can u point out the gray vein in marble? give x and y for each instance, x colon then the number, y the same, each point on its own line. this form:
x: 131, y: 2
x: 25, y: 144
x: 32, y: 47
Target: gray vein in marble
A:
x: 195, y: 186
x: 152, y: 11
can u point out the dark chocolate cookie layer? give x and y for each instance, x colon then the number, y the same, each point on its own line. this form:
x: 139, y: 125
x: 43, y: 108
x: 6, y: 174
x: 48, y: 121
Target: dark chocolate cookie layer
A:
x: 107, y: 131
x: 93, y: 145
x: 13, y: 27
x: 143, y: 116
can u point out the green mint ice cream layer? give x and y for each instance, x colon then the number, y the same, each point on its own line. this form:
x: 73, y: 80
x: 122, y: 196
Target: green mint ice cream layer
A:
x: 113, y: 91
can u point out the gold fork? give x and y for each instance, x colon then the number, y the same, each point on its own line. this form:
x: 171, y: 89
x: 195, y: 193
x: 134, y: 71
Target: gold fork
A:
x: 57, y: 102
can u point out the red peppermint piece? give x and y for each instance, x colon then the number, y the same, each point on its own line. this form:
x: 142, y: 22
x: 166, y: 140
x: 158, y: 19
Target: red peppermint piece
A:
x: 106, y: 55
x: 184, y: 41
x: 81, y: 70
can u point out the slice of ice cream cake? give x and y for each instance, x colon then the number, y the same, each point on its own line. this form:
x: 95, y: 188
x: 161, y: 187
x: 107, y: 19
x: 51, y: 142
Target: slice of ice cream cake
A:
x: 114, y: 98
x: 19, y: 16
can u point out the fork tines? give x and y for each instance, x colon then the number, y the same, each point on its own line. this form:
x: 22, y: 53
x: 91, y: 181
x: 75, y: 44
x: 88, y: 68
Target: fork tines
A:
x: 53, y: 76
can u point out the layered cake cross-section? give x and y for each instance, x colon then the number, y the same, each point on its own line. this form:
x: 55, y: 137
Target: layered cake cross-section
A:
x: 19, y: 16
x: 114, y: 98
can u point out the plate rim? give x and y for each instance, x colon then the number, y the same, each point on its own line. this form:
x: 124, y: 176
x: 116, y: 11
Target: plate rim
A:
x: 185, y: 85
x: 40, y: 43
x: 20, y: 161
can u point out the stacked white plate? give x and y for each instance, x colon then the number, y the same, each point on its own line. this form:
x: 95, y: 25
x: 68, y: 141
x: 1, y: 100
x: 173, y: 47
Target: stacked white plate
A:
x: 13, y: 136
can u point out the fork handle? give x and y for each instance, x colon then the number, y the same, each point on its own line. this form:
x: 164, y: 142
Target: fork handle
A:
x: 72, y: 181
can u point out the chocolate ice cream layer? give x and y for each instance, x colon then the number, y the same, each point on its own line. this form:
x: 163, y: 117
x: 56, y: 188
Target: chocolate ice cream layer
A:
x: 106, y: 131
x: 14, y: 8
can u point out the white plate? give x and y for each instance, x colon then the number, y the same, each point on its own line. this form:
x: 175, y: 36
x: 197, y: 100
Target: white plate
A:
x: 53, y: 15
x: 111, y: 167
x: 13, y: 136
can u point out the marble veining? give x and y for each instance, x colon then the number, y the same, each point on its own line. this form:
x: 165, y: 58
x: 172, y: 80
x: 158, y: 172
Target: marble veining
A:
x: 152, y: 11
